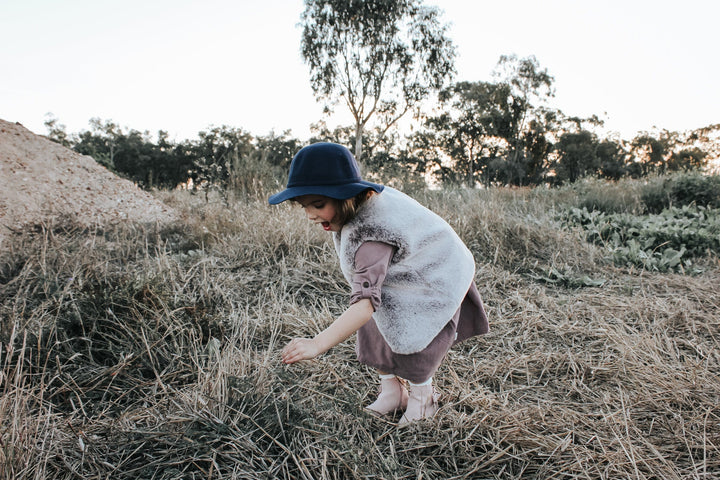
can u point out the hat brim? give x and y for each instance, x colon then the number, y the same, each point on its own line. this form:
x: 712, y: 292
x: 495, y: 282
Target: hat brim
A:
x: 339, y: 192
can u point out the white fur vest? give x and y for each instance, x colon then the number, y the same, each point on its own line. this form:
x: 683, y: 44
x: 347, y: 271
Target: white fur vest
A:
x: 428, y: 276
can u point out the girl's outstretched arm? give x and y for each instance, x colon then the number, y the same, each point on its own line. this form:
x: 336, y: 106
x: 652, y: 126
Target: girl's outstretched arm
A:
x: 346, y: 324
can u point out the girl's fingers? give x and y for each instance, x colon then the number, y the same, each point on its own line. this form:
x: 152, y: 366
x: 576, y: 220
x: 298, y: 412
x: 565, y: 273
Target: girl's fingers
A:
x: 289, y: 353
x: 297, y: 349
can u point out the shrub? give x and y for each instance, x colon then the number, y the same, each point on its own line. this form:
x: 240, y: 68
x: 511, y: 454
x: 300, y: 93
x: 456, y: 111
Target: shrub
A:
x: 696, y: 188
x: 681, y: 189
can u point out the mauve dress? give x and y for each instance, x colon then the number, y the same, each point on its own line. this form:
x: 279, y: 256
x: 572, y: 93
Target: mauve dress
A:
x: 371, y: 264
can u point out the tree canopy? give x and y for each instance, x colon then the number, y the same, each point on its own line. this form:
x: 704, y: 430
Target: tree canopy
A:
x: 380, y: 57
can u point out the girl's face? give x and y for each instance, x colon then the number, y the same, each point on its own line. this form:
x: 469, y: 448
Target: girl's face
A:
x: 320, y: 210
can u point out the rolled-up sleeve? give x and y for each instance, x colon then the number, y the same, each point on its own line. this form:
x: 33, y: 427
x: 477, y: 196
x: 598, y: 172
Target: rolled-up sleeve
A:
x: 371, y: 264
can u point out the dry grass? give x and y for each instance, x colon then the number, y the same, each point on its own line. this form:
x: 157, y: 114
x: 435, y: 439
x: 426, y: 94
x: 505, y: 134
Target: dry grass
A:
x: 144, y: 353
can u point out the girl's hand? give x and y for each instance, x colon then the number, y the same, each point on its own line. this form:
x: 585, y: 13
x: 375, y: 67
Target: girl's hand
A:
x: 300, y: 349
x: 348, y: 323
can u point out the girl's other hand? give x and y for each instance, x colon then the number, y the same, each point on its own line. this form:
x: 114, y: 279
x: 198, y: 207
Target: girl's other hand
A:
x: 299, y: 349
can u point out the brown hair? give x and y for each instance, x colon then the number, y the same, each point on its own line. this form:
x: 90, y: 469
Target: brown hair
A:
x: 347, y: 209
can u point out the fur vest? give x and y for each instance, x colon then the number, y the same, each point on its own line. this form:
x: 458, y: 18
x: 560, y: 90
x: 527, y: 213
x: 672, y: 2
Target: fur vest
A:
x: 428, y: 276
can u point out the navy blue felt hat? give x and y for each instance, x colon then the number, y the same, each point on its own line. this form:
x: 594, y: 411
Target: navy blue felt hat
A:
x: 326, y: 169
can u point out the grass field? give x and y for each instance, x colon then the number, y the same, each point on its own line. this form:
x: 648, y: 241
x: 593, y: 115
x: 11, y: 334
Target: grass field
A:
x: 153, y: 352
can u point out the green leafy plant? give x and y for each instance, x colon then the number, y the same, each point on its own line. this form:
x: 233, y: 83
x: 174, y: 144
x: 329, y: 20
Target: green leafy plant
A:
x: 660, y: 242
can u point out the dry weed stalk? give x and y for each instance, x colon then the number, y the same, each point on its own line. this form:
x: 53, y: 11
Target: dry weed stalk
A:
x: 136, y: 353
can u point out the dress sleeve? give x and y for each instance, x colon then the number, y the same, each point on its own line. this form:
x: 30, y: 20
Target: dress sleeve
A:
x: 371, y: 264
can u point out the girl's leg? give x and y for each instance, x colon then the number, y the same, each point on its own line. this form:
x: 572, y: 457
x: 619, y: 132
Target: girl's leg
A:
x: 422, y: 402
x: 393, y: 396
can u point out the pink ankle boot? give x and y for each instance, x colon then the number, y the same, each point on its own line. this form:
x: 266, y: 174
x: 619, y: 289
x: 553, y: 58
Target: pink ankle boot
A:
x: 393, y: 396
x: 423, y: 403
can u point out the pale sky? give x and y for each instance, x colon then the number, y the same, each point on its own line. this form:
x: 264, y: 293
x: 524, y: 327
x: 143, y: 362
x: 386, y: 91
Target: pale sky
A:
x: 184, y: 66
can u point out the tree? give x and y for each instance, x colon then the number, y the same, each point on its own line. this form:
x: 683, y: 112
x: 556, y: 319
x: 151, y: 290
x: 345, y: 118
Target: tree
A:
x: 278, y: 150
x: 100, y: 142
x: 612, y: 159
x: 217, y: 154
x: 577, y: 156
x: 537, y: 149
x: 706, y: 139
x: 667, y: 151
x: 56, y: 131
x: 134, y: 155
x: 266, y: 169
x: 472, y: 131
x: 381, y: 57
x: 652, y: 152
x: 344, y: 135
x: 687, y: 159
x: 529, y: 87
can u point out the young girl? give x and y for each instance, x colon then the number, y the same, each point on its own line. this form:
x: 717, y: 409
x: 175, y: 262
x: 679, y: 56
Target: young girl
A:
x: 413, y: 293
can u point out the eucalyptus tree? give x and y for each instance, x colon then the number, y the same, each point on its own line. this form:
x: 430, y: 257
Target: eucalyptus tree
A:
x: 652, y: 152
x: 687, y: 159
x: 530, y: 86
x: 56, y: 131
x: 666, y: 151
x: 471, y: 130
x: 381, y: 58
x: 100, y: 142
x: 576, y: 156
x: 614, y: 160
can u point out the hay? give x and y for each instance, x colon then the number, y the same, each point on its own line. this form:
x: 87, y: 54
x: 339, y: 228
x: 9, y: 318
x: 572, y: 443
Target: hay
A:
x: 135, y: 353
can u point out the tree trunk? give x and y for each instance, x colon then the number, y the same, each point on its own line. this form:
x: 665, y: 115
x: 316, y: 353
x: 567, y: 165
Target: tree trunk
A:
x: 358, y: 141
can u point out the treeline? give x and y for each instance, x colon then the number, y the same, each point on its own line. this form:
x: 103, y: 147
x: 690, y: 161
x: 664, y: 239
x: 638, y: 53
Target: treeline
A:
x: 482, y: 133
x: 226, y: 158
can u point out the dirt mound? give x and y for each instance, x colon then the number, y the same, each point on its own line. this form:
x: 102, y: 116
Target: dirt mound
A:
x: 42, y: 179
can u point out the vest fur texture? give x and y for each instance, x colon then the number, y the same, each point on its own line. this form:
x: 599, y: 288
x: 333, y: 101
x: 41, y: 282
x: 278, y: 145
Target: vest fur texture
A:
x: 428, y: 276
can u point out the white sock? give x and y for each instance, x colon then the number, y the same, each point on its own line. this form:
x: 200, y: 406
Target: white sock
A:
x: 427, y: 382
x: 386, y: 376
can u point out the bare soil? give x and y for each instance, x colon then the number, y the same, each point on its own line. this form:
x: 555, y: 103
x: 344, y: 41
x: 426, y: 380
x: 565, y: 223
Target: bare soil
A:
x: 42, y: 180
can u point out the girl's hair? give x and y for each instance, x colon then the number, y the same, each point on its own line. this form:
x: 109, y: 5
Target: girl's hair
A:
x: 347, y: 209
